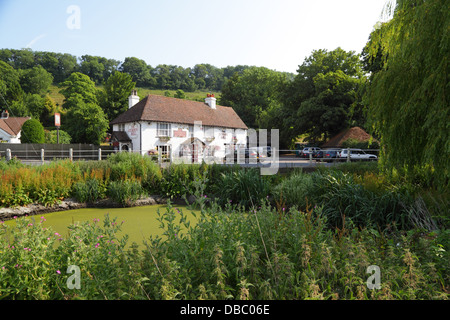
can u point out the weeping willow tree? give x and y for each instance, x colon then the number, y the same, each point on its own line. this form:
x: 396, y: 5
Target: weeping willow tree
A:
x: 407, y: 102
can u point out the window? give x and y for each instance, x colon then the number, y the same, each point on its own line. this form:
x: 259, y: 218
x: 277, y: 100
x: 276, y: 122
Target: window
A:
x: 165, y: 152
x: 163, y: 129
x: 122, y: 127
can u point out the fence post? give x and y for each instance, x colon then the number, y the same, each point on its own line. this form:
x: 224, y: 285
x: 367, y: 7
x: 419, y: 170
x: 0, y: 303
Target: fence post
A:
x: 348, y: 154
x: 99, y: 154
x: 71, y: 154
x: 42, y: 156
x: 8, y: 154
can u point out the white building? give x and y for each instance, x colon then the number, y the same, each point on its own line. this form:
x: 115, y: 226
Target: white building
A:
x: 179, y: 129
x: 11, y: 127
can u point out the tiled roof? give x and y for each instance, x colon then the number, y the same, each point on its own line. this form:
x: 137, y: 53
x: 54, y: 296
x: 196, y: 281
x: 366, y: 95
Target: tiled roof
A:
x: 120, y: 136
x: 166, y: 109
x: 353, y: 133
x: 12, y: 126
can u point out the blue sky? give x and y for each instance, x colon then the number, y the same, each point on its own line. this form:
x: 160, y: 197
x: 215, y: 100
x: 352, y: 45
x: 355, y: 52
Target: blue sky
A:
x: 277, y: 34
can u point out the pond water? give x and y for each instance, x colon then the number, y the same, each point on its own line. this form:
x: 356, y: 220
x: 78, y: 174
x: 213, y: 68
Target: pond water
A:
x: 139, y: 222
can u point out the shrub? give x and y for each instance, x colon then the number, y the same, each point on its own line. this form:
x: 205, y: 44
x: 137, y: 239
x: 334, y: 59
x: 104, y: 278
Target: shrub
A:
x: 245, y: 187
x: 32, y: 132
x: 125, y: 192
x: 88, y: 191
x: 294, y: 190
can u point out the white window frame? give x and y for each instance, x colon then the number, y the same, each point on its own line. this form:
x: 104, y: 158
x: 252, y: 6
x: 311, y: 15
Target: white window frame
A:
x: 163, y: 129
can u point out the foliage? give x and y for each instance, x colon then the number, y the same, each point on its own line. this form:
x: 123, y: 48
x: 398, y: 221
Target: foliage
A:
x: 52, y: 137
x: 244, y: 187
x: 114, y: 96
x: 85, y: 122
x: 324, y: 94
x: 89, y: 191
x: 252, y: 92
x: 354, y: 143
x: 227, y: 254
x: 32, y: 132
x: 79, y: 85
x: 10, y: 88
x: 35, y: 80
x: 125, y: 192
x: 407, y: 100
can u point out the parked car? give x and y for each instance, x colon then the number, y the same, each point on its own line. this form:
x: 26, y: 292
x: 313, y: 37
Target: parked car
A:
x: 357, y: 154
x: 330, y: 155
x: 309, y: 150
x: 244, y: 156
x: 262, y: 152
x: 327, y: 155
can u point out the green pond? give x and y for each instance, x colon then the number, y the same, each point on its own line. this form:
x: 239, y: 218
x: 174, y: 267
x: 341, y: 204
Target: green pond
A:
x: 139, y: 222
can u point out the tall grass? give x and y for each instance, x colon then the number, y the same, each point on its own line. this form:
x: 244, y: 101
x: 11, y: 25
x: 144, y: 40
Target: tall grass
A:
x: 227, y: 254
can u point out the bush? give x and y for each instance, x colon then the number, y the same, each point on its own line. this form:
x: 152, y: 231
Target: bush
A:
x: 294, y: 190
x: 88, y: 191
x: 32, y: 132
x: 245, y: 187
x: 125, y: 192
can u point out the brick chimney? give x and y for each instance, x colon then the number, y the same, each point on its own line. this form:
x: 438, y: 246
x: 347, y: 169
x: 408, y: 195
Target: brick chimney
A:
x: 4, y: 115
x: 210, y: 101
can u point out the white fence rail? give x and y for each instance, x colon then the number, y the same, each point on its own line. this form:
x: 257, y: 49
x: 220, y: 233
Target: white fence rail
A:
x: 284, y: 157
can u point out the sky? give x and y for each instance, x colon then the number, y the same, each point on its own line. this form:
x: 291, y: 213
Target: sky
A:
x: 277, y: 34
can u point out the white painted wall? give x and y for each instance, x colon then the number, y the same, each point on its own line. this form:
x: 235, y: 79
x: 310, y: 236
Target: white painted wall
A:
x: 4, y: 136
x: 150, y: 140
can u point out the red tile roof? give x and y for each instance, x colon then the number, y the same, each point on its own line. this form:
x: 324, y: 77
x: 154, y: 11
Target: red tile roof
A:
x: 12, y: 126
x: 353, y: 133
x: 166, y: 109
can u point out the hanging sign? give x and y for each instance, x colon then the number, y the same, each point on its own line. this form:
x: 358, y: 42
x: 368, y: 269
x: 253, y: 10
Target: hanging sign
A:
x: 57, y: 120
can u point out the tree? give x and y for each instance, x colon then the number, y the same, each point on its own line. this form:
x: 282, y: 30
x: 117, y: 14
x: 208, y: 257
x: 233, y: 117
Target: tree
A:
x: 92, y: 67
x: 85, y: 123
x: 138, y: 70
x: 35, y: 80
x: 52, y: 137
x: 252, y: 92
x: 324, y: 94
x: 114, y: 96
x: 10, y: 87
x: 79, y: 84
x: 32, y: 132
x: 407, y: 97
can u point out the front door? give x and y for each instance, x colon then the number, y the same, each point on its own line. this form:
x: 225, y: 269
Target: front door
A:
x: 194, y: 148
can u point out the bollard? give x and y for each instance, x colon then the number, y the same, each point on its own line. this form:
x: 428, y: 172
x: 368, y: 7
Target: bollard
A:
x: 310, y: 158
x: 71, y: 154
x: 99, y: 154
x: 348, y: 154
x: 8, y: 154
x: 42, y: 156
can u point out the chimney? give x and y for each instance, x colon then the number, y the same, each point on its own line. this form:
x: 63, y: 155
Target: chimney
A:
x: 133, y: 99
x: 5, y: 115
x: 210, y: 101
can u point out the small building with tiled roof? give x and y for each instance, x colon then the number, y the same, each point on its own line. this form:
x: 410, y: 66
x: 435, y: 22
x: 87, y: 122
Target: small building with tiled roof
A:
x: 355, y: 133
x: 178, y: 128
x: 11, y: 127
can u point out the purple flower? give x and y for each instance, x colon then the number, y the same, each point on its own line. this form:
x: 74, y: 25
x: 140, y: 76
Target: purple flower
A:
x: 58, y: 272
